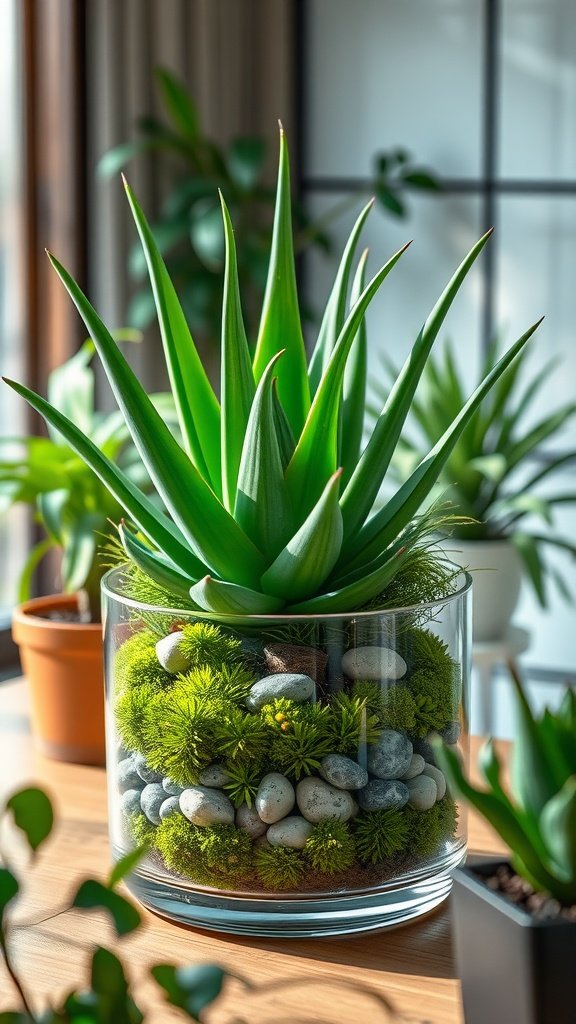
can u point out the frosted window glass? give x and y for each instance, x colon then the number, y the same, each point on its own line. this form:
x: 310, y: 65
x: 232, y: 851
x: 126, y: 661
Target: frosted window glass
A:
x: 382, y: 72
x: 538, y: 101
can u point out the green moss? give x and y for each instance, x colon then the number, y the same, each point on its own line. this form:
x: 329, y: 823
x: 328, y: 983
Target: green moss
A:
x: 279, y: 867
x: 379, y: 834
x: 230, y: 682
x: 433, y: 680
x: 133, y: 722
x: 227, y: 851
x: 349, y: 724
x: 330, y: 847
x: 399, y: 709
x: 178, y: 842
x: 299, y: 750
x: 239, y: 736
x: 371, y: 694
x: 205, y: 644
x: 136, y: 664
x: 141, y: 830
x: 179, y: 734
x: 428, y: 830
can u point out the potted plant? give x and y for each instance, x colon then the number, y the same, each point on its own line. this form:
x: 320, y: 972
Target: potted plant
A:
x: 488, y: 479
x: 60, y: 635
x: 278, y: 657
x: 515, y: 919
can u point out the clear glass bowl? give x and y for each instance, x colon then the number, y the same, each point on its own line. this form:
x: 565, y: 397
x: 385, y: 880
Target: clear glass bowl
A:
x: 280, y: 769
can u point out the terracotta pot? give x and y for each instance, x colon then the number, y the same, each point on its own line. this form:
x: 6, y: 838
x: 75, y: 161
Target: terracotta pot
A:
x: 497, y: 583
x: 63, y: 663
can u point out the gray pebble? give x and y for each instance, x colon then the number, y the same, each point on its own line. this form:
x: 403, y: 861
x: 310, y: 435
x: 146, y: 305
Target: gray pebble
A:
x: 151, y: 800
x: 423, y: 793
x: 343, y: 772
x: 416, y: 767
x: 214, y: 776
x: 318, y: 801
x: 127, y: 775
x: 248, y: 819
x: 383, y: 794
x: 203, y: 806
x: 292, y: 832
x: 425, y: 748
x: 172, y: 788
x: 373, y: 663
x: 275, y: 798
x: 434, y: 773
x: 451, y: 732
x: 170, y: 655
x: 130, y: 801
x: 170, y: 806
x: 390, y: 756
x: 146, y: 773
x: 290, y: 685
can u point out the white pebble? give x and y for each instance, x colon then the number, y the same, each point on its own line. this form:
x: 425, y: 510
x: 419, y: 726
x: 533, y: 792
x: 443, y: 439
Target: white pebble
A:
x: 373, y: 663
x: 439, y: 779
x: 318, y: 801
x: 275, y: 798
x: 203, y: 806
x: 170, y: 655
x: 292, y: 832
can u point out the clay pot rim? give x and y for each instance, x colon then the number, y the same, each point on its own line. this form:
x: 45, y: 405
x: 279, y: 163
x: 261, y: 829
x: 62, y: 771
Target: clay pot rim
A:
x: 26, y: 614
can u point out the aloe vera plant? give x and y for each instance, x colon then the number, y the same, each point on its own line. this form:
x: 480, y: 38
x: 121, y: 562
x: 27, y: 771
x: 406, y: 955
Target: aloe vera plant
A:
x: 538, y: 819
x: 269, y: 498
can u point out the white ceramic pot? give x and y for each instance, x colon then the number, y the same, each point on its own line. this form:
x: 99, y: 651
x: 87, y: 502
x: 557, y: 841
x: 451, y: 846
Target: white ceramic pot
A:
x: 496, y: 568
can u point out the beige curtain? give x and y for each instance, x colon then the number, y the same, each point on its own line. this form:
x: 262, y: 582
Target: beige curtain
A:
x: 236, y: 57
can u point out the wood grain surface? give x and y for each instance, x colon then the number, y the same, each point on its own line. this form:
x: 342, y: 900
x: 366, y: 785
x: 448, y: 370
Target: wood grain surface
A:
x: 292, y: 981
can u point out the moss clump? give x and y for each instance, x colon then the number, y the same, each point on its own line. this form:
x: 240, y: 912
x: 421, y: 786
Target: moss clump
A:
x: 141, y: 830
x: 179, y: 732
x: 399, y: 709
x: 379, y: 834
x: 132, y: 716
x: 226, y: 851
x: 433, y: 679
x: 279, y: 867
x: 300, y: 749
x: 349, y: 723
x: 178, y: 842
x: 205, y: 644
x: 330, y: 847
x: 239, y: 736
x: 136, y: 664
x: 229, y: 682
x: 428, y: 830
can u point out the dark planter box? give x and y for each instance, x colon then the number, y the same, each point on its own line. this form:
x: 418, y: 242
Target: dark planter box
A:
x: 514, y: 969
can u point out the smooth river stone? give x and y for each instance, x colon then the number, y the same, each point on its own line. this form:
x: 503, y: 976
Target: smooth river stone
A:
x: 292, y: 832
x: 203, y: 806
x: 170, y: 655
x: 291, y: 685
x: 248, y: 819
x: 383, y: 794
x: 151, y: 799
x: 317, y: 801
x: 130, y: 801
x: 425, y: 747
x: 170, y: 806
x: 451, y: 732
x: 127, y: 776
x: 172, y: 788
x: 390, y: 756
x: 214, y: 776
x: 434, y: 773
x: 416, y: 767
x: 373, y: 663
x: 423, y: 793
x: 275, y: 798
x: 144, y: 771
x: 343, y: 772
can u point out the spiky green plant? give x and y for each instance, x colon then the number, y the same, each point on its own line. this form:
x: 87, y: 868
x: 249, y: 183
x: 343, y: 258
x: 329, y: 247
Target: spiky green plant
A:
x: 131, y: 712
x: 537, y: 819
x: 206, y: 644
x: 300, y: 750
x: 240, y: 736
x: 229, y: 683
x: 279, y: 867
x: 330, y: 847
x: 350, y: 724
x: 179, y: 734
x: 270, y: 496
x: 244, y: 777
x: 379, y: 834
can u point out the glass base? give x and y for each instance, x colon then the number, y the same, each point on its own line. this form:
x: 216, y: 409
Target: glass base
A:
x: 395, y: 903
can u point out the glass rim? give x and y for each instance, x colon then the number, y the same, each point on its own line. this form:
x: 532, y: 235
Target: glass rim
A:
x: 109, y: 591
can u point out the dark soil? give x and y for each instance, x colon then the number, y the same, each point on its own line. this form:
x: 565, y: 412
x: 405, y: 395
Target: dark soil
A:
x: 520, y: 892
x: 61, y: 616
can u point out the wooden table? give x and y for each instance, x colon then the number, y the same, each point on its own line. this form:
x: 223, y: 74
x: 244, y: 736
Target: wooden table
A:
x: 299, y: 980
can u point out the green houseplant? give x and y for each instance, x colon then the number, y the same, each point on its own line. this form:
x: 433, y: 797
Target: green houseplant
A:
x: 515, y: 922
x: 274, y: 647
x: 489, y: 477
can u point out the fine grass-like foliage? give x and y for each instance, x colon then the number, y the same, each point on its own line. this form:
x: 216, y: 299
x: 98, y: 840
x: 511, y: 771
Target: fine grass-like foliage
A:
x: 227, y: 851
x: 230, y: 683
x: 371, y: 694
x: 279, y: 867
x: 239, y: 736
x: 132, y: 716
x: 425, y: 576
x: 180, y: 734
x: 349, y: 723
x: 300, y: 749
x: 330, y: 847
x: 245, y: 777
x: 380, y: 834
x: 428, y: 830
x: 398, y: 709
x: 206, y: 644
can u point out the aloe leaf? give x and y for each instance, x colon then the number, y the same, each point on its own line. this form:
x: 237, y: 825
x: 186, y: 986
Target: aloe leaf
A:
x: 79, y: 551
x: 355, y: 595
x: 284, y: 435
x: 386, y: 524
x: 536, y: 776
x: 196, y: 403
x: 316, y: 454
x: 237, y: 380
x: 335, y: 311
x: 262, y: 507
x: 489, y: 765
x: 155, y: 564
x: 540, y: 433
x: 178, y: 103
x: 280, y: 326
x: 207, y: 526
x: 355, y: 375
x: 231, y: 599
x: 366, y: 480
x: 154, y: 525
x: 527, y: 548
x: 558, y: 826
x: 312, y: 553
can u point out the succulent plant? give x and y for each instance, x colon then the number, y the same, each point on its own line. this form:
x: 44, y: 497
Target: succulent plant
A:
x: 537, y: 819
x: 270, y: 497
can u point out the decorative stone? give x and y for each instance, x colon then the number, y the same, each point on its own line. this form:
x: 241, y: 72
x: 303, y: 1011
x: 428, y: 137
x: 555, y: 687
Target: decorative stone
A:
x: 451, y: 732
x: 416, y: 767
x: 145, y: 773
x: 318, y: 800
x: 127, y: 775
x: 170, y: 655
x: 343, y: 772
x: 425, y: 748
x: 309, y: 661
x: 248, y: 819
x: 130, y: 801
x: 172, y: 788
x: 214, y: 776
x: 423, y: 792
x: 434, y: 773
x: 383, y: 794
x: 275, y: 798
x: 390, y: 756
x: 291, y: 685
x: 151, y: 800
x: 292, y: 832
x: 204, y: 806
x: 170, y: 806
x: 373, y: 663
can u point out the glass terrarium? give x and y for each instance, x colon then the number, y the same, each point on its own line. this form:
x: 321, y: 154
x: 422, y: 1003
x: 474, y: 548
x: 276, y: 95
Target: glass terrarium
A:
x: 281, y: 770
